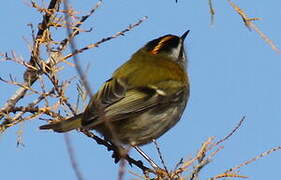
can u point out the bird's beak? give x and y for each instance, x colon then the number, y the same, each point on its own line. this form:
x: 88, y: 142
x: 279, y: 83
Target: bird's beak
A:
x: 184, y: 35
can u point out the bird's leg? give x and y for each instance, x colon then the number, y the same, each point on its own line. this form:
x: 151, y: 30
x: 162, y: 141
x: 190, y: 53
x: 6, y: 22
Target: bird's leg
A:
x: 145, y: 156
x: 119, y: 152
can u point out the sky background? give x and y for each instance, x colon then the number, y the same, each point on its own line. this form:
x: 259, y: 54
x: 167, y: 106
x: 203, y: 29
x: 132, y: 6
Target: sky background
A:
x: 233, y: 73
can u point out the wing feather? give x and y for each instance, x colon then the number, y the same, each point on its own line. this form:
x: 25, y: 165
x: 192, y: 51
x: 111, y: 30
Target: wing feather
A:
x: 121, y: 103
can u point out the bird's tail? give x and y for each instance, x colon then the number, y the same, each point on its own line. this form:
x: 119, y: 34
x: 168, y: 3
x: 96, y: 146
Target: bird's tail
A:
x: 65, y: 125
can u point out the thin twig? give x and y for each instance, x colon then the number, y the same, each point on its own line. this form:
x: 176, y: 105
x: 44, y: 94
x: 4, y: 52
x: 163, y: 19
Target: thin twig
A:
x: 202, y: 159
x: 71, y: 154
x: 22, y: 85
x: 249, y: 24
x: 15, y: 58
x: 161, y: 157
x: 9, y: 122
x: 121, y: 33
x: 254, y: 158
x: 122, y: 169
x: 64, y: 42
x: 111, y: 147
x: 232, y: 132
x: 75, y: 58
x: 212, y: 12
x: 227, y: 175
x: 232, y: 171
x: 44, y: 110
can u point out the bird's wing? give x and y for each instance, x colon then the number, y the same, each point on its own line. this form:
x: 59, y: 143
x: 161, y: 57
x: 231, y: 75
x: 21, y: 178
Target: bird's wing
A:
x: 120, y: 103
x: 112, y: 91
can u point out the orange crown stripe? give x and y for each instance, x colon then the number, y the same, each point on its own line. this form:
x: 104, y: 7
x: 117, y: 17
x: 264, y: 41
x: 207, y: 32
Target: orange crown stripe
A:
x: 161, y: 44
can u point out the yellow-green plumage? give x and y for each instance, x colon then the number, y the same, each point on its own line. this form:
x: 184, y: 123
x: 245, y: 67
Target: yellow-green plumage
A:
x: 144, y: 98
x: 145, y: 68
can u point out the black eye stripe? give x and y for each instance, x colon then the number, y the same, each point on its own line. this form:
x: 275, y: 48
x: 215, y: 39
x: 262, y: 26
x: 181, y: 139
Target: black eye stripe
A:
x: 181, y: 52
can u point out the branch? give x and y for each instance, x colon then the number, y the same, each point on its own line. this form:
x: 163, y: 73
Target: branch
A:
x: 232, y: 132
x: 249, y: 24
x: 77, y: 51
x: 115, y: 155
x: 71, y: 154
x: 30, y: 76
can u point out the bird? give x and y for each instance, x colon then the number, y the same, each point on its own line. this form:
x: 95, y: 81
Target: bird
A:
x: 144, y: 98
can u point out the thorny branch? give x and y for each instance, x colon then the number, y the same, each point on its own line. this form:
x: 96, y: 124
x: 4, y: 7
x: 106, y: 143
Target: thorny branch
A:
x: 254, y: 159
x: 16, y: 119
x: 30, y: 75
x: 112, y: 147
x: 36, y: 66
x: 76, y: 32
x: 105, y: 39
x: 248, y: 22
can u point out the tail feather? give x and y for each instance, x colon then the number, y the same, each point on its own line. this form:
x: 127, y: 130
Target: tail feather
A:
x: 64, y: 126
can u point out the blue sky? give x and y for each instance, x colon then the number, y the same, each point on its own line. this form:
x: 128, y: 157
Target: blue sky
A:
x: 233, y: 73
